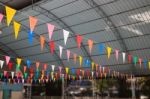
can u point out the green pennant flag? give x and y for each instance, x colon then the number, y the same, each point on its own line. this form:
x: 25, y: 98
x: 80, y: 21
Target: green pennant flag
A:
x: 25, y: 75
x: 135, y: 60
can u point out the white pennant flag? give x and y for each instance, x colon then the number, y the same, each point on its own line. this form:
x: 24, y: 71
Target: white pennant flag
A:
x: 60, y: 51
x: 92, y: 74
x: 1, y: 63
x: 12, y: 75
x: 123, y: 56
x: 53, y: 67
x: 66, y: 35
x: 23, y: 81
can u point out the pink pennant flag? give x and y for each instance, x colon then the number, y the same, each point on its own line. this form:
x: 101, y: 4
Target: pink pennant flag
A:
x: 60, y: 69
x: 116, y: 54
x: 50, y: 30
x: 33, y: 22
x: 1, y: 17
x: 7, y: 59
x: 5, y: 73
x: 68, y: 54
x: 90, y: 44
x: 140, y: 62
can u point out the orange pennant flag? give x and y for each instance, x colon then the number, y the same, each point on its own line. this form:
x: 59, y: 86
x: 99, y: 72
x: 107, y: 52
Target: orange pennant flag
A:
x: 25, y: 68
x: 92, y: 65
x: 75, y: 57
x: 109, y: 49
x: 33, y: 22
x: 10, y: 12
x: 42, y: 42
x: 90, y: 43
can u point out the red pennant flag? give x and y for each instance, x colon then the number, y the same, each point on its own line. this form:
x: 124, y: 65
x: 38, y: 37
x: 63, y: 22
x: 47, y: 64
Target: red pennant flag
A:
x: 79, y: 40
x: 45, y: 67
x: 52, y: 46
x: 88, y: 72
x: 10, y: 65
x: 31, y: 69
x: 78, y: 72
x: 129, y: 58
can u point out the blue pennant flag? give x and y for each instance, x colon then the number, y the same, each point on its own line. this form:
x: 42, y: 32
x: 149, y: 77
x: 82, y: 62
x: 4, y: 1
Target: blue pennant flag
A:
x: 145, y: 63
x: 101, y: 48
x: 28, y: 63
x: 73, y: 71
x: 30, y: 36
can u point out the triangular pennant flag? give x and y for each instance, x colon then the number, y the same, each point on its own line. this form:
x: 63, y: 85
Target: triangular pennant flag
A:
x: 80, y: 60
x: 10, y: 12
x: 12, y: 74
x: 60, y: 51
x: 25, y: 75
x: 28, y: 63
x: 33, y: 22
x: 116, y: 54
x: 66, y: 35
x: 108, y: 52
x: 124, y: 56
x: 96, y: 67
x: 19, y: 61
x: 92, y: 64
x: 1, y: 63
x: 135, y: 59
x: 53, y: 67
x: 50, y: 30
x: 79, y: 40
x: 75, y: 57
x: 83, y: 73
x: 90, y: 44
x: 16, y: 28
x: 37, y: 65
x: 42, y: 42
x: 101, y: 48
x: 60, y: 69
x: 67, y: 70
x: 45, y: 67
x: 52, y: 46
x: 129, y: 58
x: 30, y: 36
x: 92, y: 74
x: 145, y: 63
x: 10, y: 65
x: 68, y: 54
x: 140, y: 62
x: 5, y: 73
x: 7, y: 59
x: 24, y: 69
x: 1, y: 17
x: 149, y: 65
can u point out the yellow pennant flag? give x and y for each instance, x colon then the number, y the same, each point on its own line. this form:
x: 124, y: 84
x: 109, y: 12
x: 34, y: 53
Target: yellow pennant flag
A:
x: 109, y: 49
x: 10, y: 12
x: 19, y: 61
x: 92, y: 65
x: 80, y: 60
x: 149, y: 65
x: 67, y: 70
x: 16, y: 28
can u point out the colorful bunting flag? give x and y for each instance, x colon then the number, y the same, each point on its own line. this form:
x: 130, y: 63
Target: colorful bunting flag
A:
x: 28, y: 63
x: 24, y: 69
x: 149, y: 65
x: 52, y: 46
x: 45, y: 67
x: 80, y: 60
x: 12, y: 74
x: 10, y: 65
x: 79, y: 40
x: 135, y: 59
x: 75, y: 57
x: 50, y: 30
x: 53, y: 67
x: 145, y: 63
x: 7, y: 58
x: 109, y: 49
x: 116, y: 54
x: 10, y: 12
x: 30, y: 36
x: 92, y: 64
x: 68, y: 55
x: 67, y: 70
x: 33, y: 21
x: 42, y: 42
x: 60, y: 51
x: 124, y: 56
x: 101, y: 48
x: 129, y: 58
x: 16, y: 28
x: 37, y: 65
x: 140, y: 62
x: 19, y: 61
x: 60, y: 69
x: 1, y: 17
x: 1, y: 63
x: 90, y: 44
x: 66, y: 35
